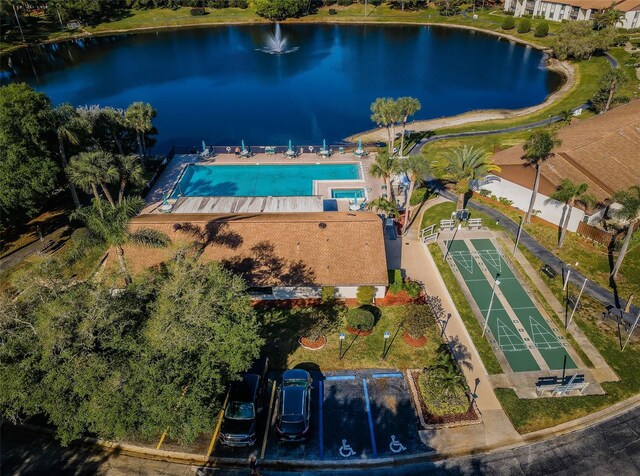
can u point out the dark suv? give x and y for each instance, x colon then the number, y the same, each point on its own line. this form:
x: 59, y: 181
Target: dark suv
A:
x: 295, y: 406
x: 243, y: 404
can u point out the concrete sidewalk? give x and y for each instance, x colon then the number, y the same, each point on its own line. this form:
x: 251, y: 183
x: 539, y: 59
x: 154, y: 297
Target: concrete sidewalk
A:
x: 496, y: 429
x: 49, y: 244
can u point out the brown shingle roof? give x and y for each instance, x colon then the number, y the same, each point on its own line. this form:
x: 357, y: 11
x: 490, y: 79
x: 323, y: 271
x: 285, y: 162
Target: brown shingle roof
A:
x: 288, y: 249
x: 603, y: 151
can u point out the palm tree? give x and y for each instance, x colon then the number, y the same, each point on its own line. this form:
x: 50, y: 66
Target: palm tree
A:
x: 68, y: 123
x: 407, y: 106
x: 571, y: 193
x: 611, y: 81
x: 630, y: 210
x: 130, y: 173
x: 114, y: 120
x: 90, y: 169
x: 110, y: 225
x: 537, y: 149
x: 384, y: 206
x: 139, y: 116
x: 14, y: 4
x: 464, y: 166
x: 384, y: 167
x: 417, y: 169
x: 609, y: 18
x: 385, y: 113
x: 444, y: 372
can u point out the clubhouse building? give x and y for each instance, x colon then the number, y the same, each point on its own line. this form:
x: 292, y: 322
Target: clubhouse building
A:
x: 281, y: 256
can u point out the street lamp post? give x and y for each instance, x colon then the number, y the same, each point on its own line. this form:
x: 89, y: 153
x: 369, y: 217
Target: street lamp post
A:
x: 451, y: 241
x: 341, y: 339
x: 576, y: 304
x: 515, y: 248
x: 566, y: 280
x: 386, y: 335
x: 493, y: 293
x: 444, y: 324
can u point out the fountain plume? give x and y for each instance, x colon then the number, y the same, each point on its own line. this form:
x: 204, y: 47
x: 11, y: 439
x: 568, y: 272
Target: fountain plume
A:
x: 277, y: 43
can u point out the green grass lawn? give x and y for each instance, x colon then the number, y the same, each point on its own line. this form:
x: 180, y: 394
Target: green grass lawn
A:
x: 532, y: 415
x: 282, y: 328
x: 442, y: 211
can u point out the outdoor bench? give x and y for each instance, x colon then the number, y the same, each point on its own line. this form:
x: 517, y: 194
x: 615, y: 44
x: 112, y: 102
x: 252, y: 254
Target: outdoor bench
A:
x: 548, y: 271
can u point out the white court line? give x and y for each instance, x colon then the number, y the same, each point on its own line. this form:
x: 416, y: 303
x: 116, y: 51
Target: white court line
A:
x: 485, y: 279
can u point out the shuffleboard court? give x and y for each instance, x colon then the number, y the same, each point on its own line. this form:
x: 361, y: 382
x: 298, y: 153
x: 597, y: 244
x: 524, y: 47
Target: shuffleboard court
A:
x: 503, y: 331
x: 537, y: 327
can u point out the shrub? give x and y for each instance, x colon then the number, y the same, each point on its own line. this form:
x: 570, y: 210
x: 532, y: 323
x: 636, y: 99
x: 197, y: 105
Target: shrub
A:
x: 328, y: 3
x: 395, y: 280
x: 365, y: 294
x: 508, y: 23
x: 541, y: 30
x: 621, y: 40
x: 484, y: 192
x: 239, y: 4
x: 505, y: 201
x: 439, y: 402
x: 345, y: 3
x: 332, y: 11
x: 524, y: 26
x: 198, y: 11
x: 323, y: 320
x: 418, y: 319
x: 360, y: 319
x: 328, y: 294
x: 418, y: 196
x: 280, y: 9
x: 218, y: 3
x: 413, y: 288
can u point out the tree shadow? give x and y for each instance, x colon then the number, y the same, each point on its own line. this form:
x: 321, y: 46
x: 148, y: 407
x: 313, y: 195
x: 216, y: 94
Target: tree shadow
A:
x: 215, y: 232
x: 460, y: 353
x: 263, y: 267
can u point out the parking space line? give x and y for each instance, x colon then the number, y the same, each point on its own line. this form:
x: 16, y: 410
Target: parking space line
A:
x: 341, y: 377
x: 320, y: 418
x: 268, y: 424
x: 393, y: 375
x: 216, y: 432
x: 373, y: 438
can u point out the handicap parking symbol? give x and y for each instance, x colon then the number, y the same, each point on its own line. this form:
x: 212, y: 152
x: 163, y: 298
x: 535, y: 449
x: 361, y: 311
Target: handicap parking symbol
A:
x: 395, y: 446
x: 346, y: 450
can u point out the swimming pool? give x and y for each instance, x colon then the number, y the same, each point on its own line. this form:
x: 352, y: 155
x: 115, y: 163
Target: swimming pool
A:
x: 259, y: 180
x: 350, y: 193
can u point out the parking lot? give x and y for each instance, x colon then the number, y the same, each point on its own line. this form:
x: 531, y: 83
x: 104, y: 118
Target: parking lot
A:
x: 360, y: 414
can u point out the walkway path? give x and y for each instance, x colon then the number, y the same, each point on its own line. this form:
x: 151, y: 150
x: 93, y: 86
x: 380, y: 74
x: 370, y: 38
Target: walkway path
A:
x: 49, y: 244
x: 496, y: 429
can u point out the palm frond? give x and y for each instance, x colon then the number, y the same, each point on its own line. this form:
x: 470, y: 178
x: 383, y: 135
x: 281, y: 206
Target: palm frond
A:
x: 150, y: 238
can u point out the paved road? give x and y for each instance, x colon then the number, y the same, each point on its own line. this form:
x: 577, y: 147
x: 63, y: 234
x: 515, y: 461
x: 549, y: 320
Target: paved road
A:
x: 609, y: 448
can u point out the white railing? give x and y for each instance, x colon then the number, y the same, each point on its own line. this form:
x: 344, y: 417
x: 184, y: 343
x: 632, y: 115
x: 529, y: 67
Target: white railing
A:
x: 428, y: 235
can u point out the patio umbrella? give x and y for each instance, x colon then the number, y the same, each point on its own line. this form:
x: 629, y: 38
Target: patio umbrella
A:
x: 324, y: 144
x: 164, y: 199
x: 204, y: 147
x: 290, y: 148
x: 359, y: 144
x: 243, y: 147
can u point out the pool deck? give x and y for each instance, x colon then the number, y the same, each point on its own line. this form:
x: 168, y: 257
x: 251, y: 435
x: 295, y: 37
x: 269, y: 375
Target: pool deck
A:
x: 175, y: 167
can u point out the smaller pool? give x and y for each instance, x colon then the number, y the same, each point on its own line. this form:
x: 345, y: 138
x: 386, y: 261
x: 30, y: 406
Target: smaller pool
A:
x: 350, y: 193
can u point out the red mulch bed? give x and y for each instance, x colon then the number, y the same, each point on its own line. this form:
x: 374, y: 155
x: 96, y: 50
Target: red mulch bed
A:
x: 402, y: 297
x: 419, y: 342
x: 313, y: 344
x: 355, y: 332
x: 432, y: 419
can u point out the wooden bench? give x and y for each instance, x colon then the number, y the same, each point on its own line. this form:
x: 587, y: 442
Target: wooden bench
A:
x: 474, y: 222
x: 447, y: 224
x: 548, y: 272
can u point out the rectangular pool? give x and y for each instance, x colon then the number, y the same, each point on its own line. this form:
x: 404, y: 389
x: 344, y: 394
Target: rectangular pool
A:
x: 259, y: 180
x: 350, y: 193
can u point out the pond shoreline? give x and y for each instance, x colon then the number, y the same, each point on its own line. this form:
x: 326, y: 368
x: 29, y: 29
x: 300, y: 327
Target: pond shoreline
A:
x: 564, y: 68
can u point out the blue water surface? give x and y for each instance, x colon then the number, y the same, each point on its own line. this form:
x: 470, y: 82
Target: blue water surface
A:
x: 259, y: 180
x: 212, y: 84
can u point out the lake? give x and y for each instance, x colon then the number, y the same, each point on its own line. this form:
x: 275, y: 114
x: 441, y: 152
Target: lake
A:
x: 214, y: 84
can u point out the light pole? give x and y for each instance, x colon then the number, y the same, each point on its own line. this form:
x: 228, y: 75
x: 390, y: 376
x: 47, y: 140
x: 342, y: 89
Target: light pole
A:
x: 444, y: 324
x: 493, y: 293
x: 566, y: 280
x: 386, y: 335
x: 631, y: 331
x: 451, y: 241
x: 576, y: 304
x: 341, y: 339
x: 515, y: 248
